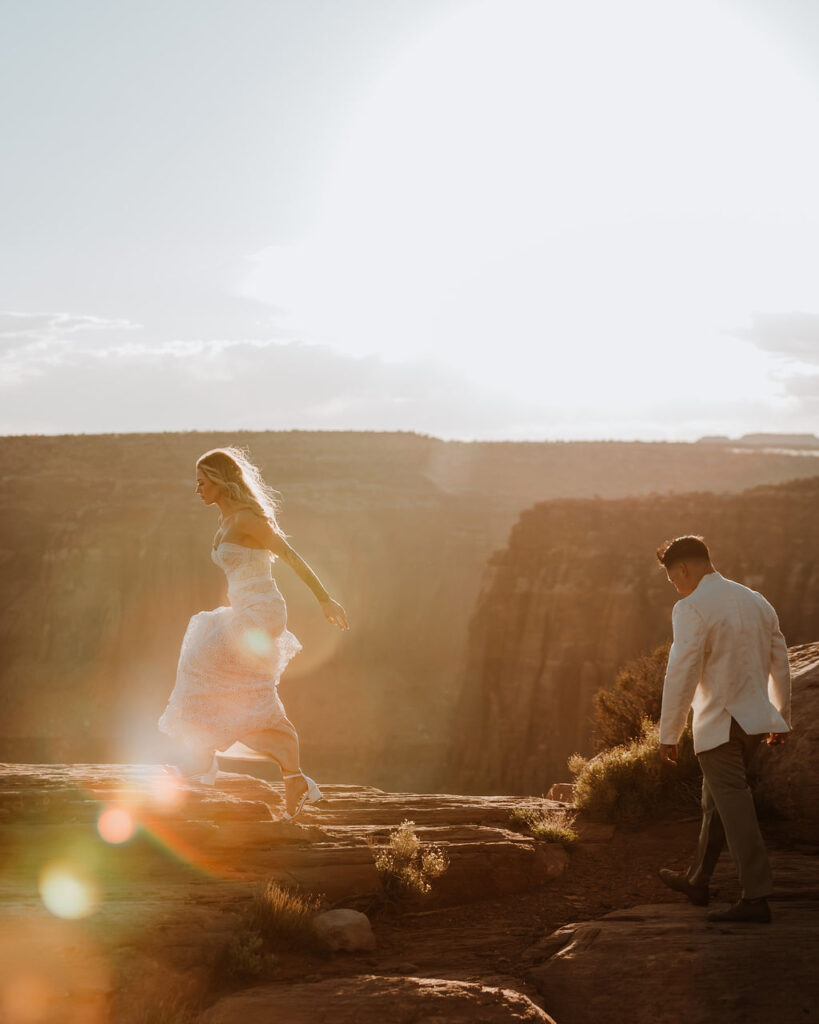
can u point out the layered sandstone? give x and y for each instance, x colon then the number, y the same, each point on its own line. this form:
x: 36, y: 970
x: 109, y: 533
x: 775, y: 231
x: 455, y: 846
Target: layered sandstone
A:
x: 508, y: 933
x: 662, y: 964
x: 161, y: 900
x: 577, y: 592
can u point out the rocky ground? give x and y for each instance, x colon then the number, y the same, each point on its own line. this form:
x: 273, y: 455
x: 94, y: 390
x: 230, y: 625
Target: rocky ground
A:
x: 516, y: 929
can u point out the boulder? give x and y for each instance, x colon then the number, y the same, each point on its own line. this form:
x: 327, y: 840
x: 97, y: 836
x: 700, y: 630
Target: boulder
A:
x: 789, y: 773
x: 563, y: 792
x: 347, y: 930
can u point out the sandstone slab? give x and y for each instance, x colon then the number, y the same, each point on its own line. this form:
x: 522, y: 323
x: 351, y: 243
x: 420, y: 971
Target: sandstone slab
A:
x: 369, y: 999
x: 662, y: 964
x: 170, y: 884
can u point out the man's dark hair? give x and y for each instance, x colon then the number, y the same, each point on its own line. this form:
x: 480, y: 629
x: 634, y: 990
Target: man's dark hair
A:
x: 681, y: 548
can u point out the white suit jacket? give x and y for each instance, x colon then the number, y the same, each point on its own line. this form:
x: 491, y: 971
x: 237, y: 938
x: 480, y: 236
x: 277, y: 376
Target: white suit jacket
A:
x: 728, y: 659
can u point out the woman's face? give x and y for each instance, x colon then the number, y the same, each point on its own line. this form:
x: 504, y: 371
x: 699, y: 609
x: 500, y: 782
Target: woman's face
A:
x: 207, y: 490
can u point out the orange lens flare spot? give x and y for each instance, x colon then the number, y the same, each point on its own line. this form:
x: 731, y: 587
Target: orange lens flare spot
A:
x: 66, y: 893
x: 115, y: 825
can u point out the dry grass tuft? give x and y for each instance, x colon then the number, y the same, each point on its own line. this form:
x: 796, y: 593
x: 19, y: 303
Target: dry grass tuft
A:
x: 551, y: 824
x: 284, y: 918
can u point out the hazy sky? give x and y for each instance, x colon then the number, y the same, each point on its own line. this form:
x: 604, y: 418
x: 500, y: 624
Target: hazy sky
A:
x: 470, y: 218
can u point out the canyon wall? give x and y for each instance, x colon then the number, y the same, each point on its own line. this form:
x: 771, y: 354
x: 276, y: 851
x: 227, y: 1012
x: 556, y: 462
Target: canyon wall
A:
x: 578, y: 591
x: 104, y: 555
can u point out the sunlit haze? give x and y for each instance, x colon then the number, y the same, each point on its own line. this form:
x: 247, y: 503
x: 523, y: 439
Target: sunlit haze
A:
x: 523, y: 219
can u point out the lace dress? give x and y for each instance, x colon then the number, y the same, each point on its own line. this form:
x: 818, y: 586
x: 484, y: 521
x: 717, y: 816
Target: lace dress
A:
x: 232, y: 657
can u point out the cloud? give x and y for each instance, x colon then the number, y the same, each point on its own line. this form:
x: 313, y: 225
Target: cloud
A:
x: 791, y: 335
x: 805, y: 388
x: 52, y: 383
x: 40, y: 333
x: 62, y: 373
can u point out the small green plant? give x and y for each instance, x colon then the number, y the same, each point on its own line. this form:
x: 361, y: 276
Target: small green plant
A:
x: 406, y: 865
x: 284, y: 918
x: 551, y: 824
x: 244, y: 958
x: 628, y: 783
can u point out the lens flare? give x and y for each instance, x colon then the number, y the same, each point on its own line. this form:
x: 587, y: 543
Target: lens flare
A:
x: 66, y: 893
x: 115, y: 825
x: 257, y: 642
x: 166, y: 792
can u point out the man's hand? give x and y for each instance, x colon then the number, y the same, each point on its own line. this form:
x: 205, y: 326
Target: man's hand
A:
x: 668, y: 753
x: 775, y: 738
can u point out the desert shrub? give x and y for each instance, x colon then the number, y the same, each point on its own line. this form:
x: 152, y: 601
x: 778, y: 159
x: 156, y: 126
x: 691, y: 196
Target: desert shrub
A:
x: 284, y: 918
x: 552, y: 824
x: 636, y: 695
x: 629, y: 783
x: 406, y: 865
x: 244, y: 957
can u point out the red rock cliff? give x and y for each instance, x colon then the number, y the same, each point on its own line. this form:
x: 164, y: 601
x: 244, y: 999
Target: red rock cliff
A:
x: 578, y: 592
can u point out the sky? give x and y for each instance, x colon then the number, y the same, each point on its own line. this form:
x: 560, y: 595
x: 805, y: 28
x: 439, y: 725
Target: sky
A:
x: 511, y: 219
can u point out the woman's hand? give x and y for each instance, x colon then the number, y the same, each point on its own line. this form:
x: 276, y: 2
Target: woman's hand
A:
x: 334, y: 613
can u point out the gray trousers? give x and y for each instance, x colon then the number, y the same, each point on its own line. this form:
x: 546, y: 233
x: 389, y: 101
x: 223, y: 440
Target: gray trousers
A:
x: 729, y: 816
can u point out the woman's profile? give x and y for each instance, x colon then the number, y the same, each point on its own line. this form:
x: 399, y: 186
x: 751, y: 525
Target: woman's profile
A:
x: 232, y: 658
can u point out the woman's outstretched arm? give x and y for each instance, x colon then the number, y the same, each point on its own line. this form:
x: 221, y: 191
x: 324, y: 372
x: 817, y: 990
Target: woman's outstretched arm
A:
x: 262, y: 532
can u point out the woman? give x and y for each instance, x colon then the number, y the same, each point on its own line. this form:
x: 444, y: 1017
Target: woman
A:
x: 232, y: 658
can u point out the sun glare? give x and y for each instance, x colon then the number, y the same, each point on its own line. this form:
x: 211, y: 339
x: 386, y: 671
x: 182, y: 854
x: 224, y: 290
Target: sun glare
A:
x: 544, y: 195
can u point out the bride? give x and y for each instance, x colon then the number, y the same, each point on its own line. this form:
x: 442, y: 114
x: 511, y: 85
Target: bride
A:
x: 232, y: 658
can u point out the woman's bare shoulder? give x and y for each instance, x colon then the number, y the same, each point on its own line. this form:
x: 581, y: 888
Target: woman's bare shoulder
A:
x: 258, y: 526
x: 247, y: 517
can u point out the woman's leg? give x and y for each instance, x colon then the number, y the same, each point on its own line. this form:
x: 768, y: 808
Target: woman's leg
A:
x: 195, y: 759
x: 281, y: 744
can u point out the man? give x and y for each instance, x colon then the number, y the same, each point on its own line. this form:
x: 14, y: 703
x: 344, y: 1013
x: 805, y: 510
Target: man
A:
x: 729, y: 661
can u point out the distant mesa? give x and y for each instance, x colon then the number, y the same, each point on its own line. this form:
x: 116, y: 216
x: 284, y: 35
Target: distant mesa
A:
x: 764, y: 440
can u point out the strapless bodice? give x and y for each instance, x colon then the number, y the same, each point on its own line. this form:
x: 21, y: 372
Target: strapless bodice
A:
x: 232, y: 657
x: 241, y: 563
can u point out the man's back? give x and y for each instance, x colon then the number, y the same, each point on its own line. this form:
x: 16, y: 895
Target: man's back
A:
x: 729, y: 659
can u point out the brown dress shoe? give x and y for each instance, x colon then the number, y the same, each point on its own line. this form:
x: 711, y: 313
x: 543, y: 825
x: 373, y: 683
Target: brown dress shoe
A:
x: 678, y: 881
x: 756, y: 911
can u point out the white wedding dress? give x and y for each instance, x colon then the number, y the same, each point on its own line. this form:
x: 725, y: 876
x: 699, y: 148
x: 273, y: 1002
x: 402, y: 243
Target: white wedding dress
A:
x: 232, y: 657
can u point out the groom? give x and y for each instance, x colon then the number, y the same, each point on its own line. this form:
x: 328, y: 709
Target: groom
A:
x: 729, y: 661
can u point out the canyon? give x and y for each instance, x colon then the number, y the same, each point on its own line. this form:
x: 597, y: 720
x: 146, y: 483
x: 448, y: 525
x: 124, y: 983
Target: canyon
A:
x: 104, y: 555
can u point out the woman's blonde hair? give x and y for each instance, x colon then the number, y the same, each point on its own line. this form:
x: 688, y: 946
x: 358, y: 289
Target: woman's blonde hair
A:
x: 232, y: 470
